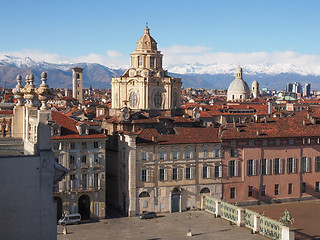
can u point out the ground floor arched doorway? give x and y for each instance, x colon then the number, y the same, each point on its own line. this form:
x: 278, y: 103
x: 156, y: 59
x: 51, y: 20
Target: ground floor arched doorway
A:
x: 203, y: 193
x: 84, y: 207
x: 175, y: 199
x: 59, y: 207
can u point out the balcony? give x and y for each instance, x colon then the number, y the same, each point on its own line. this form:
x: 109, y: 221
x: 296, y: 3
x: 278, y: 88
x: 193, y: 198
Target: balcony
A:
x: 94, y: 185
x: 72, y: 166
x: 97, y: 165
x: 72, y: 186
x: 84, y: 165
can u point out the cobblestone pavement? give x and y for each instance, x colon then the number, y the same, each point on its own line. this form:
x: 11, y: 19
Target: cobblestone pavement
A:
x: 165, y: 226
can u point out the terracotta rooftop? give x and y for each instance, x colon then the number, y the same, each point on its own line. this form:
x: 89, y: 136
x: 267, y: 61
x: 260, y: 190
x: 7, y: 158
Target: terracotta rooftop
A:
x: 300, y: 124
x: 182, y: 136
x: 69, y: 130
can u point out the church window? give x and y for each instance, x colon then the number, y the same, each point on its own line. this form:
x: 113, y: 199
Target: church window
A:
x: 152, y: 62
x: 140, y: 61
x: 158, y: 100
x: 133, y: 99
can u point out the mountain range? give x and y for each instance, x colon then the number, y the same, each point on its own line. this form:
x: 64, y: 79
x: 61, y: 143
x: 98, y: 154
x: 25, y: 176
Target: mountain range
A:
x: 212, y: 76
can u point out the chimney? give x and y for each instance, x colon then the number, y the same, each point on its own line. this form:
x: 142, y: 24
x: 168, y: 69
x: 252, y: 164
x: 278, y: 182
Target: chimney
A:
x: 269, y: 107
x: 154, y: 139
x: 257, y: 133
x: 304, y: 122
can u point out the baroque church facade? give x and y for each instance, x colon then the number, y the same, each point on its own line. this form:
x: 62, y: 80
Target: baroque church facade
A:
x: 146, y: 85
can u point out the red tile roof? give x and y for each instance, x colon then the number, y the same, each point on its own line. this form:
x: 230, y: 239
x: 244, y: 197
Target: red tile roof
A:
x: 69, y: 130
x: 182, y: 136
x: 298, y: 125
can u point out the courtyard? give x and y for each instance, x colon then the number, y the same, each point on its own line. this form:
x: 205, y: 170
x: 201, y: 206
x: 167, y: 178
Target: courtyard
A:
x: 305, y: 213
x: 165, y: 226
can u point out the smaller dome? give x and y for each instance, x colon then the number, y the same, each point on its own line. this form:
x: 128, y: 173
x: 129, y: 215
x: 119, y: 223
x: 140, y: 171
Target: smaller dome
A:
x: 146, y: 42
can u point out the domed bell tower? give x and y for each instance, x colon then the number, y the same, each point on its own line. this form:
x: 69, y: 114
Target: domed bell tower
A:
x: 146, y: 86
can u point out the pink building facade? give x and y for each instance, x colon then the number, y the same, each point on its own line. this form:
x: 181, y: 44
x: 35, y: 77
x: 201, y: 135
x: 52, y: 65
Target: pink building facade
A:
x: 271, y: 161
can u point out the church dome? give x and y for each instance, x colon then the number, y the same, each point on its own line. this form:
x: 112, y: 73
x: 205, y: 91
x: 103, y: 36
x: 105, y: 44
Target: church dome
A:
x: 146, y: 42
x: 238, y: 90
x: 239, y: 86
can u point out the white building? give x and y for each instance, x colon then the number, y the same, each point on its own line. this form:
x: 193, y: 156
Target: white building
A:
x: 28, y: 171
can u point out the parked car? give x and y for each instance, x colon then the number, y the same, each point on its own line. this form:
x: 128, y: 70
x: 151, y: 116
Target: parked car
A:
x: 73, y: 218
x: 148, y: 215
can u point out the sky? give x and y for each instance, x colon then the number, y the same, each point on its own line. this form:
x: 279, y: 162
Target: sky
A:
x: 203, y: 31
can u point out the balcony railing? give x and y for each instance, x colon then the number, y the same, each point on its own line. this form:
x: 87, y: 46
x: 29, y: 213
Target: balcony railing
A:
x: 84, y: 165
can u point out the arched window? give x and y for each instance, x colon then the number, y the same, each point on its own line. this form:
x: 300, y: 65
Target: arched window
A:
x: 162, y: 154
x: 133, y: 99
x: 205, y: 190
x: 175, y: 153
x: 158, y: 99
x: 188, y: 152
x: 144, y: 194
x: 205, y: 151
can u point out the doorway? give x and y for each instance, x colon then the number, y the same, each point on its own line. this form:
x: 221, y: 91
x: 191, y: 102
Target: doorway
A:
x: 84, y: 207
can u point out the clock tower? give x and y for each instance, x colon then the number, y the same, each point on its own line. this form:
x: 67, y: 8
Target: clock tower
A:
x: 146, y: 86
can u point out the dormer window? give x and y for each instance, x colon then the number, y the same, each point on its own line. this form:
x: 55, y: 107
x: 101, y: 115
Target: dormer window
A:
x: 83, y: 129
x: 55, y: 130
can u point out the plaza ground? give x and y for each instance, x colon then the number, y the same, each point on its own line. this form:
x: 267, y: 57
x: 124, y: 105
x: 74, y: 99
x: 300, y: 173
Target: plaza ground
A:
x: 165, y: 226
x: 305, y: 213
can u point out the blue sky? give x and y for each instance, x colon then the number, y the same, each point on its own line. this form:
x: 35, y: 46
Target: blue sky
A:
x: 106, y: 31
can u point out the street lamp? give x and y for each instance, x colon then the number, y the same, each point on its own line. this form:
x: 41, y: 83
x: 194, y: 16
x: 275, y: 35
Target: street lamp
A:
x: 189, y: 234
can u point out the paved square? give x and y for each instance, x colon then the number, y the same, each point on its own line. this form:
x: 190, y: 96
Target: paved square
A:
x: 305, y: 213
x: 165, y: 226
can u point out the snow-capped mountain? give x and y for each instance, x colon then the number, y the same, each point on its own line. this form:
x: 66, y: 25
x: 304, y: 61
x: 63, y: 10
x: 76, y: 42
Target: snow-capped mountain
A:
x: 250, y: 69
x: 216, y: 75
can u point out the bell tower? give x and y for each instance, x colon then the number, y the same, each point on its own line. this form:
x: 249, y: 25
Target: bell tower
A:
x: 146, y: 86
x: 77, y: 78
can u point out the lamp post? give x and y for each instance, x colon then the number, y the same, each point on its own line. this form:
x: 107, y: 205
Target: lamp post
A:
x: 189, y: 234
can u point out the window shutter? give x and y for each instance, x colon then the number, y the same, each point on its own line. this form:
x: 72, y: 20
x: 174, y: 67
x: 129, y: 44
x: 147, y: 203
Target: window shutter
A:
x: 178, y: 173
x: 220, y: 171
x: 254, y: 167
x: 281, y: 161
x: 191, y: 172
x: 287, y: 165
x: 185, y: 173
x: 208, y: 172
x: 191, y: 154
x: 141, y: 155
x: 294, y: 165
x: 273, y: 166
x: 308, y: 164
x: 236, y: 168
x: 269, y: 165
x: 248, y: 164
x: 148, y: 175
x: 147, y: 155
x: 141, y: 175
x: 165, y: 155
x: 178, y: 154
x: 229, y: 168
x: 165, y: 174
